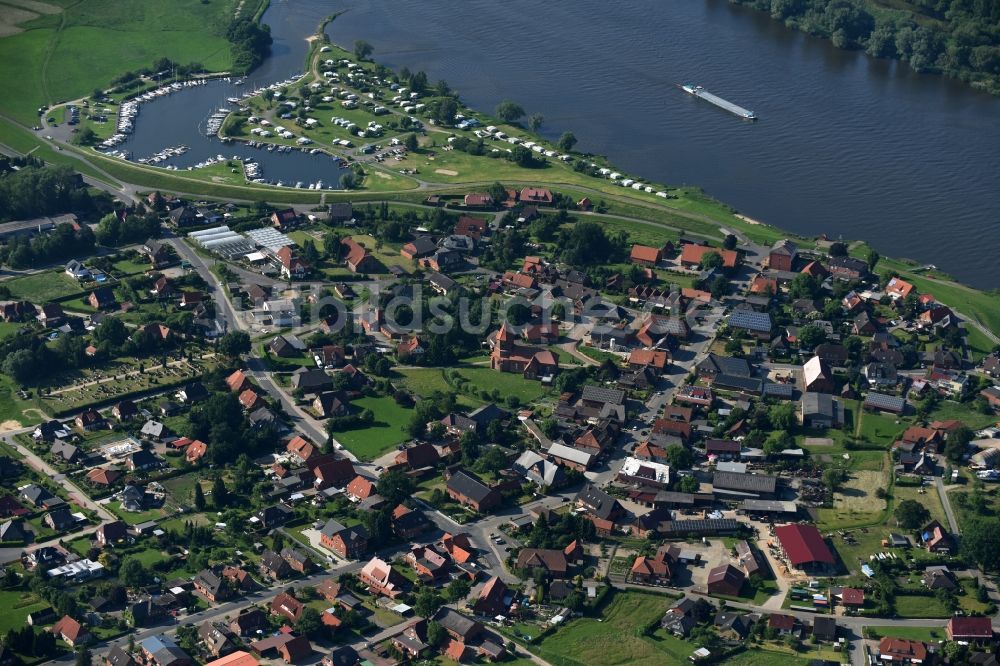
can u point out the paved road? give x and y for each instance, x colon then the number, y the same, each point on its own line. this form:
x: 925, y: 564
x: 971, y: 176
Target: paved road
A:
x: 225, y: 313
x: 946, y: 503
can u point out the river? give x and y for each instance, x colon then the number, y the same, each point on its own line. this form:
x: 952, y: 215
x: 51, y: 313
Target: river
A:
x: 845, y: 145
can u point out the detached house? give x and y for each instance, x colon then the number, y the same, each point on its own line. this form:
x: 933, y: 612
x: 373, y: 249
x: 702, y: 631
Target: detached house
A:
x: 466, y: 489
x: 348, y: 542
x: 291, y: 265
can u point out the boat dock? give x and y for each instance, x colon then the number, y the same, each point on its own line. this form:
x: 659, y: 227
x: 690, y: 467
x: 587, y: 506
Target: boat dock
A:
x: 700, y: 92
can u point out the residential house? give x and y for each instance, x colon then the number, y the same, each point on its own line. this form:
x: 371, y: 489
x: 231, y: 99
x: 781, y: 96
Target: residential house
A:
x: 70, y: 631
x: 212, y: 586
x: 287, y: 606
x: 726, y: 579
x: 901, y: 651
x: 162, y: 651
x: 273, y: 566
x: 552, y: 562
x: 493, y: 599
x: 977, y: 630
x: 102, y: 298
x: 347, y: 542
x: 782, y: 255
x: 467, y: 489
x: 382, y: 579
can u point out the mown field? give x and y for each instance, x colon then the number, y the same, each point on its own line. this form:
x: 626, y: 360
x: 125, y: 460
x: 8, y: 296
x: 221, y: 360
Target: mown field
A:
x: 388, y: 431
x: 73, y: 47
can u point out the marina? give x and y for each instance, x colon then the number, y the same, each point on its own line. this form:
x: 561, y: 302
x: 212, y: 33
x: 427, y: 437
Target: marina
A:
x: 726, y: 105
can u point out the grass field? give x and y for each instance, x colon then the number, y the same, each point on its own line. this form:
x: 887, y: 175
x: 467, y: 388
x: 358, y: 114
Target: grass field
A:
x: 42, y: 287
x: 881, y: 429
x: 926, y: 634
x: 12, y: 408
x: 387, y: 432
x: 503, y: 383
x: 17, y: 605
x: 134, y: 518
x: 67, y: 54
x: 425, y: 381
x: 614, y: 639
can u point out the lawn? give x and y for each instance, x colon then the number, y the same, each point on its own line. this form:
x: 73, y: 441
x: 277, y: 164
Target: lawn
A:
x: 66, y: 55
x: 134, y: 518
x: 766, y: 657
x: 947, y: 410
x: 42, y: 287
x: 388, y: 431
x: 614, y: 639
x: 926, y: 634
x: 12, y: 408
x: 181, y: 488
x: 881, y: 429
x: 9, y: 328
x: 130, y: 267
x: 920, y: 606
x: 425, y: 381
x: 503, y: 384
x: 930, y: 499
x: 17, y: 605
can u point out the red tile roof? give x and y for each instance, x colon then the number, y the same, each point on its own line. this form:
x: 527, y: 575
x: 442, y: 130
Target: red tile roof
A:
x: 692, y: 254
x: 803, y: 544
x: 645, y: 253
x: 970, y: 628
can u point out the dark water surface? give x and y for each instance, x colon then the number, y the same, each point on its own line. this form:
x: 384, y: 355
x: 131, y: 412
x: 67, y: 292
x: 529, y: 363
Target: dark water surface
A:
x: 845, y: 145
x: 179, y: 118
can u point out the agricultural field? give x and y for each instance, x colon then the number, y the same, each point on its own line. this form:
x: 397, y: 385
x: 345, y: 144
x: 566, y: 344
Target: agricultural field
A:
x: 60, y: 50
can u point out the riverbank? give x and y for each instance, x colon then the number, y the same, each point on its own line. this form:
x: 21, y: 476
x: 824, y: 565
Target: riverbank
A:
x: 436, y: 167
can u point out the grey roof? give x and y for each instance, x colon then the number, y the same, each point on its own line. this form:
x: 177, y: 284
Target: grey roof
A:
x: 778, y: 390
x: 707, y: 526
x: 487, y: 413
x: 882, y: 401
x: 759, y: 483
x: 738, y: 383
x: 469, y: 486
x: 424, y: 245
x: 768, y: 506
x: 331, y: 528
x: 310, y: 379
x: 455, y: 622
x: 818, y: 404
x: 572, y: 454
x: 539, y: 470
x: 153, y: 429
x: 605, y: 395
x: 724, y: 365
x: 751, y: 320
x: 442, y: 281
x: 601, y: 504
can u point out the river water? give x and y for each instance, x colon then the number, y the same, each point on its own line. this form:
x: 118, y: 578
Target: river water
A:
x: 845, y: 145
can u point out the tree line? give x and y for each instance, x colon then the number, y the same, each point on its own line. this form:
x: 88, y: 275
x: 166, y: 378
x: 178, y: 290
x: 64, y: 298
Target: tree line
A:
x: 249, y: 43
x: 957, y: 38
